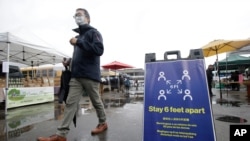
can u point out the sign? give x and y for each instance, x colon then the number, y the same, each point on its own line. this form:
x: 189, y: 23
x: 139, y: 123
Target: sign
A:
x: 176, y: 102
x: 26, y: 96
x: 5, y: 67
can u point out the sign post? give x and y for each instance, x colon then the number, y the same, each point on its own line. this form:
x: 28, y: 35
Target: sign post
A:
x: 176, y: 102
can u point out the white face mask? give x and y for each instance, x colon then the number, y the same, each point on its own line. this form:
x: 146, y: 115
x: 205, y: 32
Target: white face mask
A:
x: 80, y: 20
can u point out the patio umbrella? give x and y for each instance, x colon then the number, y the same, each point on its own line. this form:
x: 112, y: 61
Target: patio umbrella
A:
x: 115, y: 65
x: 222, y: 46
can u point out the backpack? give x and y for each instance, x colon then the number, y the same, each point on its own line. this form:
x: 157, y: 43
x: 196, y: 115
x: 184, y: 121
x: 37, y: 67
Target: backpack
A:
x: 127, y: 83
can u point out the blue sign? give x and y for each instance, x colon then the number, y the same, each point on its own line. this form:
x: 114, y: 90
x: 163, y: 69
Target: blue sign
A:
x: 177, y: 102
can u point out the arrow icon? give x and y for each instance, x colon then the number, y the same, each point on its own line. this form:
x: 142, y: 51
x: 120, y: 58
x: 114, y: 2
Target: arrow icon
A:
x: 179, y: 81
x: 179, y: 91
x: 168, y: 91
x: 168, y: 82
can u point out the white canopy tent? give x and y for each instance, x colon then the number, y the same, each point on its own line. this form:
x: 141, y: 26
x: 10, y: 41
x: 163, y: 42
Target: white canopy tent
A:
x: 15, y: 49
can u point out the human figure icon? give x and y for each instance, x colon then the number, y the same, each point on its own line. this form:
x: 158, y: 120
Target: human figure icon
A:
x: 187, y: 94
x: 161, y: 76
x: 162, y: 95
x: 185, y: 74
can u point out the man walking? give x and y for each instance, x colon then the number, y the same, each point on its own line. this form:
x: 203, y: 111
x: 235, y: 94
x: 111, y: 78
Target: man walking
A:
x: 85, y: 75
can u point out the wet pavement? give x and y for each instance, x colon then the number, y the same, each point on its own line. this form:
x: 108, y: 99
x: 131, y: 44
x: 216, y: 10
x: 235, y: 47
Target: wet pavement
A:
x: 124, y: 114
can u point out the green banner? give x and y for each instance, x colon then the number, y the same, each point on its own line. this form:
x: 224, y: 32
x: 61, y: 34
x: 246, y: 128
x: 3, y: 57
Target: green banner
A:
x: 26, y: 96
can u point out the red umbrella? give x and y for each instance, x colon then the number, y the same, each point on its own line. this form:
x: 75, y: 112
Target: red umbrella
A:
x: 116, y: 65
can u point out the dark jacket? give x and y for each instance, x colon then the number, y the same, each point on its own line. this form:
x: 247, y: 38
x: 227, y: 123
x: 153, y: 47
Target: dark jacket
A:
x: 209, y: 75
x: 87, y: 52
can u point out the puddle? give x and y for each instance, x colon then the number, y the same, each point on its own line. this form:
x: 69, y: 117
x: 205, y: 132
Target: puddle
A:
x: 115, y: 102
x: 120, y: 102
x: 228, y: 103
x: 22, y: 119
x: 19, y: 131
x: 231, y: 119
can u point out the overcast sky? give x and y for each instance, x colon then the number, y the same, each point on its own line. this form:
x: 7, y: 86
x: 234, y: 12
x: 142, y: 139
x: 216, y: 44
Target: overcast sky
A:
x: 130, y: 28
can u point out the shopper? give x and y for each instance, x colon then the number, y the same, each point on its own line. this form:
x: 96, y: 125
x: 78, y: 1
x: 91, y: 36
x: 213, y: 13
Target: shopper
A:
x: 209, y: 73
x: 85, y: 76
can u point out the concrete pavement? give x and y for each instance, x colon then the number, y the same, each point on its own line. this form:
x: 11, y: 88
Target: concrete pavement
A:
x: 124, y: 114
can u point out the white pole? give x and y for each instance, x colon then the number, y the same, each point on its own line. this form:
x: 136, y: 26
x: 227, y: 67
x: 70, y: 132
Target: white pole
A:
x: 7, y: 75
x: 226, y: 74
x: 109, y: 83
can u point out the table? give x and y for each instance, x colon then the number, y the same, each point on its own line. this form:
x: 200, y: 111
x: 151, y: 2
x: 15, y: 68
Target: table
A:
x: 245, y: 82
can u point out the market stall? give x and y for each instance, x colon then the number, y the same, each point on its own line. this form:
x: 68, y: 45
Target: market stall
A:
x: 21, y: 90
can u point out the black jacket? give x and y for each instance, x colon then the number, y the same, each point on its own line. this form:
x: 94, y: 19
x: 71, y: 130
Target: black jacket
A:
x: 209, y: 75
x: 87, y: 52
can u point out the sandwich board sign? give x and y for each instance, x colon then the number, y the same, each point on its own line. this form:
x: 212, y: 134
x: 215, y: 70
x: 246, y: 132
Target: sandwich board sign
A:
x: 177, y: 102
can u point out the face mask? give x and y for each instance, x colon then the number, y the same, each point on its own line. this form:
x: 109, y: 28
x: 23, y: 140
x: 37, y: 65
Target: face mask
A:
x: 80, y: 20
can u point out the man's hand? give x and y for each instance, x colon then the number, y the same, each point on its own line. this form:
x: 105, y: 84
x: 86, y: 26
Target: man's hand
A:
x: 73, y: 41
x: 66, y: 62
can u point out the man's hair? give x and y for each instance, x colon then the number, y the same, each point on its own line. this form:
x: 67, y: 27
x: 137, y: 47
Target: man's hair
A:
x: 210, y: 66
x: 85, y: 12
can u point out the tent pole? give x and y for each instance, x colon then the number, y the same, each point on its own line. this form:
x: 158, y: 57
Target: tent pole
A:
x: 226, y: 74
x: 218, y: 71
x: 7, y: 77
x: 109, y: 83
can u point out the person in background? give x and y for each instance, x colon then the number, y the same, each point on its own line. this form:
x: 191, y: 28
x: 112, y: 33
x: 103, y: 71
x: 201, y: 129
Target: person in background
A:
x: 127, y: 85
x: 121, y: 80
x: 235, y: 85
x: 232, y: 78
x: 85, y: 76
x: 209, y: 73
x: 136, y: 85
